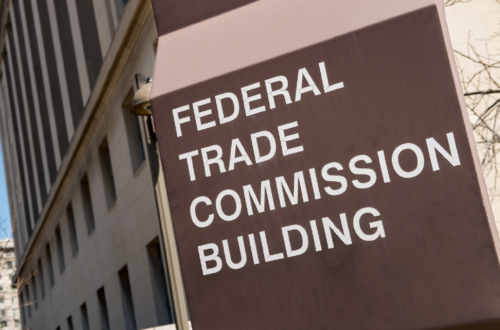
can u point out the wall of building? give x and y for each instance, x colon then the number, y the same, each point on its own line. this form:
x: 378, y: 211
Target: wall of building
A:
x: 68, y: 73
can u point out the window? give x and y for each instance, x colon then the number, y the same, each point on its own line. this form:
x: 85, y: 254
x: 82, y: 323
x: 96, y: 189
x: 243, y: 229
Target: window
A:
x: 4, y: 323
x: 60, y: 251
x: 85, y: 317
x: 72, y: 229
x: 70, y: 323
x: 11, y: 276
x: 16, y: 323
x: 23, y: 313
x: 49, y: 264
x: 107, y: 173
x: 1, y: 287
x: 162, y: 298
x: 134, y: 137
x: 9, y: 264
x: 40, y: 278
x: 87, y: 204
x: 15, y: 311
x: 51, y: 64
x: 69, y: 63
x: 14, y: 300
x: 127, y: 301
x: 2, y: 300
x: 103, y: 309
x: 35, y: 293
x: 2, y: 312
x: 90, y: 39
x: 28, y: 300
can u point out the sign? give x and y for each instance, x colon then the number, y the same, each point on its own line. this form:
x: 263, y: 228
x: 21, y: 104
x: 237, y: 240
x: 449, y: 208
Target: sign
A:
x: 324, y: 175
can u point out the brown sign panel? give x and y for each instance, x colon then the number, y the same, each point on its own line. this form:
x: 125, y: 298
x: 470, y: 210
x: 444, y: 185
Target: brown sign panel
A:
x: 172, y: 15
x: 331, y: 187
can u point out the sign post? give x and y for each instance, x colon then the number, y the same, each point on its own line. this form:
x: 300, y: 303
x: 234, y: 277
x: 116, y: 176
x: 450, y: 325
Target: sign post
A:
x: 320, y: 167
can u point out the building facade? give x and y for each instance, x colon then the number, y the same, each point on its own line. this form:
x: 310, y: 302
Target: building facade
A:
x: 10, y: 318
x: 80, y: 167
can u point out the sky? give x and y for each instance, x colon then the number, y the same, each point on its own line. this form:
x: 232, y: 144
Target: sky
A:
x: 5, y: 225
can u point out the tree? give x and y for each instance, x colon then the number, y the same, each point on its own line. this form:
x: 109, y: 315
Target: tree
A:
x: 479, y: 67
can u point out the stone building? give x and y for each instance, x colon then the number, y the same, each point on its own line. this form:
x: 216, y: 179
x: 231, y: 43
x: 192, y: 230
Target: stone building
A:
x: 82, y: 171
x: 9, y: 303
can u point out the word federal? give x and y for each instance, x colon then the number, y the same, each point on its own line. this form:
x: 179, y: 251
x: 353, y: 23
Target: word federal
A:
x: 305, y: 84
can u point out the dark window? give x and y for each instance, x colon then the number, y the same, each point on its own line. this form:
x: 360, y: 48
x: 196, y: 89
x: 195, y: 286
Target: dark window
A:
x: 55, y: 87
x: 72, y: 229
x: 69, y: 60
x: 60, y: 251
x: 103, y: 309
x: 23, y: 313
x: 161, y: 285
x: 90, y: 39
x: 9, y: 264
x: 40, y: 278
x: 107, y: 173
x: 28, y: 300
x: 87, y: 204
x: 127, y: 301
x: 85, y: 317
x: 70, y: 323
x: 35, y: 293
x: 134, y: 137
x: 49, y: 264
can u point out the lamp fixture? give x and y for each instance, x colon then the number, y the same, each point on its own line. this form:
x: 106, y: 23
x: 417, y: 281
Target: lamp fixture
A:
x: 140, y: 102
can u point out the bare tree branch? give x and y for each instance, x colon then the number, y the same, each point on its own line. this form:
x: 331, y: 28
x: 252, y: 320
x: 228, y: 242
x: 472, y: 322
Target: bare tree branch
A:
x: 489, y: 91
x: 448, y: 3
x: 479, y: 71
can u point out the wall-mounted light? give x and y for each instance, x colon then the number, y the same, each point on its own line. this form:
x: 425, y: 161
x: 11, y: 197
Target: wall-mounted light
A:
x: 140, y: 102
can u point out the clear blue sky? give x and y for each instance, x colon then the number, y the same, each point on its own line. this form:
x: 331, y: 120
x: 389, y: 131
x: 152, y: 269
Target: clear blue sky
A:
x: 5, y: 225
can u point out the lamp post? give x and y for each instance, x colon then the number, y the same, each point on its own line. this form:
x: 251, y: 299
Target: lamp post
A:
x: 141, y: 107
